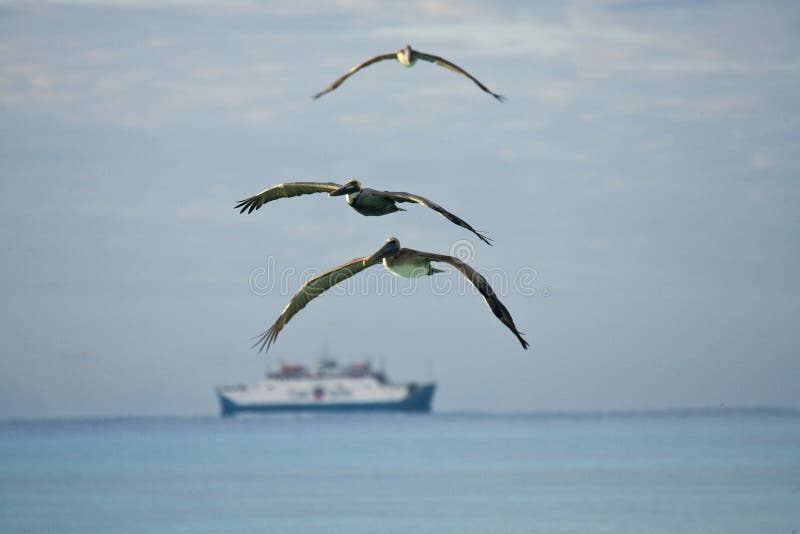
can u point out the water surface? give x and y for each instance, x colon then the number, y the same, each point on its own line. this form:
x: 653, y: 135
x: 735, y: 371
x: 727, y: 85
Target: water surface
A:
x: 670, y: 472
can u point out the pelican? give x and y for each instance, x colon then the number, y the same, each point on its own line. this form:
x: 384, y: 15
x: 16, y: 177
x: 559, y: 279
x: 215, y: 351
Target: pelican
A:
x: 364, y: 200
x: 403, y: 262
x: 407, y: 57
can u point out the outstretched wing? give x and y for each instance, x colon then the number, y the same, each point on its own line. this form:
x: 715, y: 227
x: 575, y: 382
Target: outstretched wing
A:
x: 310, y: 290
x: 455, y: 68
x: 483, y: 287
x: 289, y: 189
x: 355, y: 69
x: 408, y: 197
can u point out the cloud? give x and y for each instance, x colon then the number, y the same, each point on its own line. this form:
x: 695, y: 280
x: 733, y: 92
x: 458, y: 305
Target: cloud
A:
x: 529, y: 38
x: 229, y: 7
x: 128, y: 88
x: 761, y: 161
x: 555, y: 92
x: 758, y: 195
x: 709, y: 67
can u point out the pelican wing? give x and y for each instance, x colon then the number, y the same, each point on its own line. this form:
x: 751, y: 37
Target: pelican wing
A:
x: 289, y: 189
x: 483, y: 287
x: 455, y: 68
x: 367, y: 63
x: 310, y: 290
x: 408, y: 197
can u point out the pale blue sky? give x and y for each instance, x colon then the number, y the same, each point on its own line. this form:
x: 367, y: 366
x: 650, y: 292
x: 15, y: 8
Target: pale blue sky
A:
x: 644, y: 167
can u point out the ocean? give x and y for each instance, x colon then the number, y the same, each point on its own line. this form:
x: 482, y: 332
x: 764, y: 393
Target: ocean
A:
x: 678, y: 472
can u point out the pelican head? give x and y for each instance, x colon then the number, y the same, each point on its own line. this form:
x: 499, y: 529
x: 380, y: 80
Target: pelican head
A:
x: 352, y: 186
x: 391, y: 246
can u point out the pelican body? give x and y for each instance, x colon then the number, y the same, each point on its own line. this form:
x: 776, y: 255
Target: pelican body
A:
x: 366, y: 201
x: 409, y: 265
x: 403, y: 262
x: 407, y: 57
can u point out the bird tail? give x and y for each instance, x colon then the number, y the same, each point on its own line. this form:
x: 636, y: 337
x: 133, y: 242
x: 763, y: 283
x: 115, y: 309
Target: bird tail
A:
x: 434, y: 270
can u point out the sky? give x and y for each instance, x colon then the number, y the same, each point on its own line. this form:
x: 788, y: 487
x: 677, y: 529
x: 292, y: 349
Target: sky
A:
x: 641, y: 184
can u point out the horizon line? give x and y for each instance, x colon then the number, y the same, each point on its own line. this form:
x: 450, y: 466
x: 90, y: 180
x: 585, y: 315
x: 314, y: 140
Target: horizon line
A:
x: 543, y: 414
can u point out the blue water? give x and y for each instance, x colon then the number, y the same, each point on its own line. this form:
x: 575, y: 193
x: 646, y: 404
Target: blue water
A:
x: 676, y: 473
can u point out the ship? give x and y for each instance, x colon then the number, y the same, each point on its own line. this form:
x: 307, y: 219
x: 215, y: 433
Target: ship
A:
x: 326, y: 387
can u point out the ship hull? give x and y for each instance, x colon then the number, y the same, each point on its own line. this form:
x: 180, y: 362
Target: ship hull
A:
x: 418, y: 401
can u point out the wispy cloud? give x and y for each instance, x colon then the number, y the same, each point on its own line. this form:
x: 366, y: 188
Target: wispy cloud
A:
x: 761, y: 161
x: 514, y: 39
x: 118, y: 87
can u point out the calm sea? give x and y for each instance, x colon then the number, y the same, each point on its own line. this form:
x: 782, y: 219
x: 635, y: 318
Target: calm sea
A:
x: 672, y: 472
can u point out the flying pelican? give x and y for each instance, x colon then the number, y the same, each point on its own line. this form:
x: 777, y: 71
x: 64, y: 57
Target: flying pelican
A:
x: 364, y: 200
x: 403, y: 262
x: 407, y: 57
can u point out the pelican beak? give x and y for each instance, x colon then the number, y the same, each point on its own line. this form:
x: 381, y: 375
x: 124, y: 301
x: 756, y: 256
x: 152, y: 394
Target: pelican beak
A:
x: 344, y: 190
x: 386, y: 250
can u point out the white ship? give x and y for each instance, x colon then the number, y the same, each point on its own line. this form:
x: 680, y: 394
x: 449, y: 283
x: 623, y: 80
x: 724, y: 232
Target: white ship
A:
x: 325, y: 387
